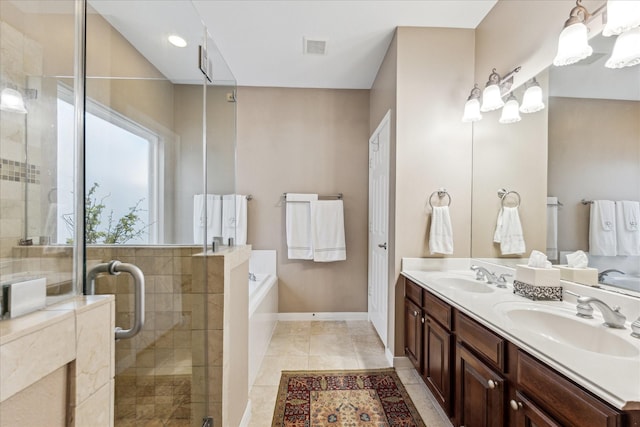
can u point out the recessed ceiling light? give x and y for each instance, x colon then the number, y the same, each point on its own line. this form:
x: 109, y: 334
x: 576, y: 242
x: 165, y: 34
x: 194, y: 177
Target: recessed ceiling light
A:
x: 177, y: 41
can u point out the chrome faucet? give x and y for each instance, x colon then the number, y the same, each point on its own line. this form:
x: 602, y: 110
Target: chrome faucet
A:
x: 612, y: 316
x: 603, y: 275
x: 482, y: 274
x: 252, y: 277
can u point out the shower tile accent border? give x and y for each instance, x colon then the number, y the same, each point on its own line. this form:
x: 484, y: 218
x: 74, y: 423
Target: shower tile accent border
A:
x: 11, y: 170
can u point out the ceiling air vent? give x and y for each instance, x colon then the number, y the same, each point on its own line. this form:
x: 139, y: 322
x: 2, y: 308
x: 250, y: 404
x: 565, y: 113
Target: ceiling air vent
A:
x: 314, y: 47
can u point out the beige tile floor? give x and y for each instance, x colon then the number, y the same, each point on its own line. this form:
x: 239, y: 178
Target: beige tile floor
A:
x: 318, y: 345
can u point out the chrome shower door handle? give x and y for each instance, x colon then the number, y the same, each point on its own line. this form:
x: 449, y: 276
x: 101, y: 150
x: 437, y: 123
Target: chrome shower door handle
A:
x: 114, y: 268
x: 383, y: 245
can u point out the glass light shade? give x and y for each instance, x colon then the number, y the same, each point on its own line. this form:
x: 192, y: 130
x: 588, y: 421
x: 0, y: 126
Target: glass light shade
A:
x: 491, y: 99
x: 532, y: 100
x: 573, y: 45
x: 472, y: 111
x: 622, y: 15
x: 510, y: 113
x: 626, y: 51
x: 11, y: 100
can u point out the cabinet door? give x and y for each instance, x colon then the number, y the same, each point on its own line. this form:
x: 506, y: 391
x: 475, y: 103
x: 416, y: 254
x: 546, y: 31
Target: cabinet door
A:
x: 413, y: 332
x: 480, y: 392
x: 437, y: 361
x: 527, y: 414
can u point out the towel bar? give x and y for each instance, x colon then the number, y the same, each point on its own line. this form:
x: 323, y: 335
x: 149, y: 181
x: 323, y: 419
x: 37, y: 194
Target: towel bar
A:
x: 320, y: 197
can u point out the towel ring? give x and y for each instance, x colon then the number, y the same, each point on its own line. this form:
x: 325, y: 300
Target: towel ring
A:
x: 502, y: 194
x: 441, y: 193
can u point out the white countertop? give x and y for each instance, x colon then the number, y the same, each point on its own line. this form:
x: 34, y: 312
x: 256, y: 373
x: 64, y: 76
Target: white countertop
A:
x: 614, y: 379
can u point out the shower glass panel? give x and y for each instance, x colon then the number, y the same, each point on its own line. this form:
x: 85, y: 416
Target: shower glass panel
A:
x: 149, y: 133
x: 36, y: 64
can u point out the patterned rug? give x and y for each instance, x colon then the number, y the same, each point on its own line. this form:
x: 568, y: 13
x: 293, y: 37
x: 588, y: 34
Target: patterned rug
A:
x: 367, y: 398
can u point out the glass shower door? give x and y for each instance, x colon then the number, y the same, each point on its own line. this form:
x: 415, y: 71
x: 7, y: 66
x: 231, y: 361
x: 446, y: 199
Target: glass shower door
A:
x: 143, y: 149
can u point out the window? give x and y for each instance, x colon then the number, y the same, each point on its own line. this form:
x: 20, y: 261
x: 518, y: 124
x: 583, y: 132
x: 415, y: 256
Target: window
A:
x: 121, y: 162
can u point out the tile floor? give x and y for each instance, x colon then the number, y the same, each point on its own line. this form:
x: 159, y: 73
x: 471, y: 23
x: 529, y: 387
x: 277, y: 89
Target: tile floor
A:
x: 316, y: 345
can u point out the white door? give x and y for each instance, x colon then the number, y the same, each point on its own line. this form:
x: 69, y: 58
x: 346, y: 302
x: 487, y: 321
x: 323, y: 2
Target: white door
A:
x: 379, y: 226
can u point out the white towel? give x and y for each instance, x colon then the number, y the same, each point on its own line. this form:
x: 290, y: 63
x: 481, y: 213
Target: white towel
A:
x: 628, y: 228
x: 327, y: 230
x: 298, y: 225
x: 509, y: 232
x: 441, y: 233
x: 602, y: 228
x: 212, y: 215
x: 234, y: 219
x: 552, y: 228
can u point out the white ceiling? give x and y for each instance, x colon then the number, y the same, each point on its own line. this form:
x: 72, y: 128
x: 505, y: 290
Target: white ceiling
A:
x: 262, y: 40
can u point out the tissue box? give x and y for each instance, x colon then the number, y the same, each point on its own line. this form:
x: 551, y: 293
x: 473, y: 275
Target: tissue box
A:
x: 538, y: 276
x: 586, y: 276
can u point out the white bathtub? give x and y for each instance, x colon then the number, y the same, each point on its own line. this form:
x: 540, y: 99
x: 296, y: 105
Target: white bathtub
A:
x: 263, y: 313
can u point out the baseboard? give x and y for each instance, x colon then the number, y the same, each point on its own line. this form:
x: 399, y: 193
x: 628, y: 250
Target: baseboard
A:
x: 246, y: 417
x: 323, y: 316
x: 402, y: 362
x: 389, y: 356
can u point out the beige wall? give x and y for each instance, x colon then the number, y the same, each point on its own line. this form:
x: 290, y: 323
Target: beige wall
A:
x: 515, y: 33
x: 307, y: 141
x: 431, y: 146
x: 594, y: 153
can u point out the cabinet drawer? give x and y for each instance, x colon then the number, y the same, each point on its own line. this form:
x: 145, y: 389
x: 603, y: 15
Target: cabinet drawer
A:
x: 481, y: 339
x: 413, y: 292
x: 437, y: 309
x: 563, y: 400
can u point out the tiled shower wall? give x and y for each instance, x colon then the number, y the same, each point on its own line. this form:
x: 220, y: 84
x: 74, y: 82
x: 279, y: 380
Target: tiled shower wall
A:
x: 155, y: 377
x: 25, y: 141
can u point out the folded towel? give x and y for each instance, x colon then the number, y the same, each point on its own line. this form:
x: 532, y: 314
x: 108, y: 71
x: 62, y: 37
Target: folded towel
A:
x: 441, y: 233
x: 298, y: 225
x: 552, y: 228
x: 234, y: 219
x: 602, y: 228
x: 509, y: 232
x: 207, y: 216
x: 327, y: 230
x: 628, y: 228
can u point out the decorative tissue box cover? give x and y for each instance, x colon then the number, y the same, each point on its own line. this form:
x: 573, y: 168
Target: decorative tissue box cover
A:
x: 586, y: 276
x: 543, y: 293
x: 538, y: 276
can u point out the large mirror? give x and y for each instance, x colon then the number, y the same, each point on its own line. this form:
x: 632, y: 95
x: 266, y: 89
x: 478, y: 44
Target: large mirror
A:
x: 592, y: 124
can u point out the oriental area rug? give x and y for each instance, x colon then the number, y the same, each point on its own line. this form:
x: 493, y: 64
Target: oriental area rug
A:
x: 367, y: 398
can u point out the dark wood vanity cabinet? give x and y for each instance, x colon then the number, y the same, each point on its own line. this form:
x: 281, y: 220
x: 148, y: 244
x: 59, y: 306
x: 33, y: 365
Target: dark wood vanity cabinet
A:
x: 480, y: 379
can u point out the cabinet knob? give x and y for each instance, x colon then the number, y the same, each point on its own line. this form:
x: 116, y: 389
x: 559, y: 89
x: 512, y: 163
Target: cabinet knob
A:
x: 492, y: 384
x: 423, y: 320
x: 515, y: 405
x: 415, y: 313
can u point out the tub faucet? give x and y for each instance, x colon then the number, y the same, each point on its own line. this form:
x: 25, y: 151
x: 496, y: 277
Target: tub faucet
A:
x: 603, y: 275
x: 252, y: 277
x: 482, y: 273
x: 612, y: 316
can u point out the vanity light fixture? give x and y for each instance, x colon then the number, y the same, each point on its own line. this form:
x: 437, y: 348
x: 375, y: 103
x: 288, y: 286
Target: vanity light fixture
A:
x: 573, y: 44
x: 622, y: 16
x: 496, y: 87
x: 626, y: 51
x: 472, y: 107
x: 510, y: 111
x: 177, y: 41
x: 532, y: 98
x: 11, y: 100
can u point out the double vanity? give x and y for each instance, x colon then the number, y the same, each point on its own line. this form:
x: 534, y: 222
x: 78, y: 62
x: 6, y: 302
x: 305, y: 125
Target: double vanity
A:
x: 494, y: 358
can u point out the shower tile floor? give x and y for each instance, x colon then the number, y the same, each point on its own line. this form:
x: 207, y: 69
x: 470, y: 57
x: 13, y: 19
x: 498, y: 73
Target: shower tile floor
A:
x: 315, y: 345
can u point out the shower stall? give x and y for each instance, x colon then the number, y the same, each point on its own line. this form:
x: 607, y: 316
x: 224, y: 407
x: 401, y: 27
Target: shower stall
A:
x: 107, y: 132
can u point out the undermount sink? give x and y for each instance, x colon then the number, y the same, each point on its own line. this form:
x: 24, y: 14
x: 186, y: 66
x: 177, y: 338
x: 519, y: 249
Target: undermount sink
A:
x: 464, y: 284
x: 563, y: 327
